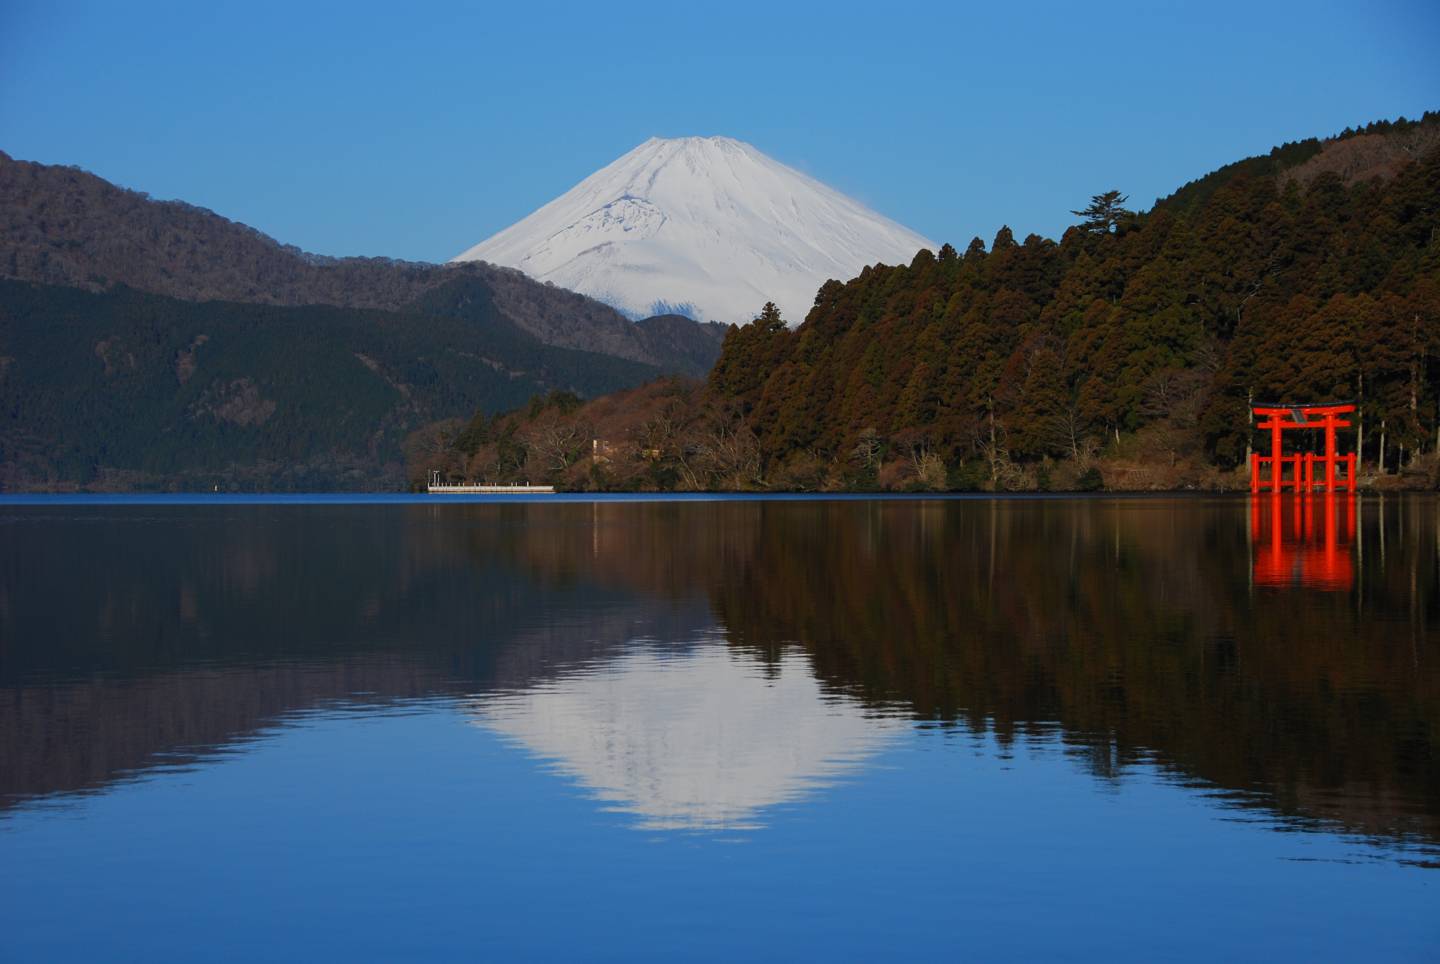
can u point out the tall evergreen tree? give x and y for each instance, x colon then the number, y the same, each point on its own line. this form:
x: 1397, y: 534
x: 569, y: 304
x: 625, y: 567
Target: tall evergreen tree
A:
x: 1105, y: 212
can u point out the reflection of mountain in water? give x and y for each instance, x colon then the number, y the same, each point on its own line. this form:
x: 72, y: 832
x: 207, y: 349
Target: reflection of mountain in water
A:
x: 128, y: 635
x: 699, y: 738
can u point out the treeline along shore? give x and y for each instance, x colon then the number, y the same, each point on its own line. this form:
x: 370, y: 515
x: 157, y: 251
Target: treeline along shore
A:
x: 1124, y: 356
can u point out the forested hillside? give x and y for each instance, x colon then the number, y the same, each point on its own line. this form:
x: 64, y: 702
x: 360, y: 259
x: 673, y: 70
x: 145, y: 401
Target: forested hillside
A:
x: 1123, y: 355
x: 124, y: 389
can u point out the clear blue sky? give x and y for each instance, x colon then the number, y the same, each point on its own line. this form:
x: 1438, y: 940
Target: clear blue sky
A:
x: 414, y: 130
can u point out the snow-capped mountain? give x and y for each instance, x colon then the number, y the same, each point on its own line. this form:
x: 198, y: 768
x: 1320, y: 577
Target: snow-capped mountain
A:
x: 706, y: 226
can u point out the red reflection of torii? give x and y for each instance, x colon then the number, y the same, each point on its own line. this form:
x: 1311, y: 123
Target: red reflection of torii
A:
x: 1289, y: 551
x: 1279, y: 418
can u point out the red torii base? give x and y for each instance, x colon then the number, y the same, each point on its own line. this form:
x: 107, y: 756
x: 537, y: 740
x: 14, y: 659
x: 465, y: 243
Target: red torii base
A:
x: 1303, y: 474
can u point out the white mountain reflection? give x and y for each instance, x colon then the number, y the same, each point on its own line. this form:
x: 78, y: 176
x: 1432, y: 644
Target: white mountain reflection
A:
x: 699, y: 738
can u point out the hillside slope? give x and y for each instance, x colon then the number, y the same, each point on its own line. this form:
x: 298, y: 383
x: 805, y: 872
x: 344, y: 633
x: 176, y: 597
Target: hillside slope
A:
x: 1378, y: 150
x: 63, y: 226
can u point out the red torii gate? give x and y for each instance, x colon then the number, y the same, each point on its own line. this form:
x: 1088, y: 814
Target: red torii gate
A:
x: 1279, y: 418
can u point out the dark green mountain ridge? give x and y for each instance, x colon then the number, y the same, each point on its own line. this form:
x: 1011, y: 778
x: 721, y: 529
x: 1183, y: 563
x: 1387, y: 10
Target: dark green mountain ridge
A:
x: 124, y: 389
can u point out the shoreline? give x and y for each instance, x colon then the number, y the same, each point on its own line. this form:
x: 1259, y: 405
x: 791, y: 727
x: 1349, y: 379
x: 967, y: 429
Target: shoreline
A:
x: 19, y: 499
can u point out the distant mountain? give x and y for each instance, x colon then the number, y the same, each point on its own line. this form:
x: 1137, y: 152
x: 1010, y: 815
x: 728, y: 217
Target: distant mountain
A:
x: 124, y: 389
x: 704, y: 226
x: 63, y: 226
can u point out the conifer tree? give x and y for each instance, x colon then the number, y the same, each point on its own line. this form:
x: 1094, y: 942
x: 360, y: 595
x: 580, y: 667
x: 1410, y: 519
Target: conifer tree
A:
x: 770, y: 319
x: 1105, y: 212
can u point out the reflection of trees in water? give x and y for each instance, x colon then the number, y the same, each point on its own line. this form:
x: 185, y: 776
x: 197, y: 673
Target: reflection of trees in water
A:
x: 664, y: 549
x: 1136, y: 628
x: 84, y: 735
x: 129, y: 636
x: 1133, y: 625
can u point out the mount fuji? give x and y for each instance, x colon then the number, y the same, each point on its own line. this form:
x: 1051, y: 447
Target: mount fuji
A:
x: 704, y: 226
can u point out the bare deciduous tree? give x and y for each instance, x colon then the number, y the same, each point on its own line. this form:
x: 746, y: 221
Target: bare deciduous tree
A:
x: 555, y: 441
x: 730, y: 452
x: 1067, y: 430
x: 869, y: 447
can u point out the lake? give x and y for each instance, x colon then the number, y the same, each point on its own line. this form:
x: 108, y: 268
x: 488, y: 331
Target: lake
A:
x: 720, y: 729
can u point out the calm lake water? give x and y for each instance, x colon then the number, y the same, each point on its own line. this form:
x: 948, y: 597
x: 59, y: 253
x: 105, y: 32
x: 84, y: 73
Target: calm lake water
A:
x: 725, y: 729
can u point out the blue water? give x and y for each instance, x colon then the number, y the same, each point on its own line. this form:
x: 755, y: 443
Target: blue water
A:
x: 410, y: 833
x: 576, y: 730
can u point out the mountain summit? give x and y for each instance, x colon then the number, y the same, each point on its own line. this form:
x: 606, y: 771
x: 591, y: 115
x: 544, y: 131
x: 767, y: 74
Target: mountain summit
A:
x: 706, y: 226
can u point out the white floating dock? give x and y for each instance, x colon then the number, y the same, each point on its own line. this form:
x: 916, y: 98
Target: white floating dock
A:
x: 463, y: 488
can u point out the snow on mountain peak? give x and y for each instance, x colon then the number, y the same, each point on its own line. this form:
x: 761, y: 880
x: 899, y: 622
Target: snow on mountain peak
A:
x: 709, y: 223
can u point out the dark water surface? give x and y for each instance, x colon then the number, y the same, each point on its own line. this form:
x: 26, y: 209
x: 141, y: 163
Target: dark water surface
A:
x: 995, y: 729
